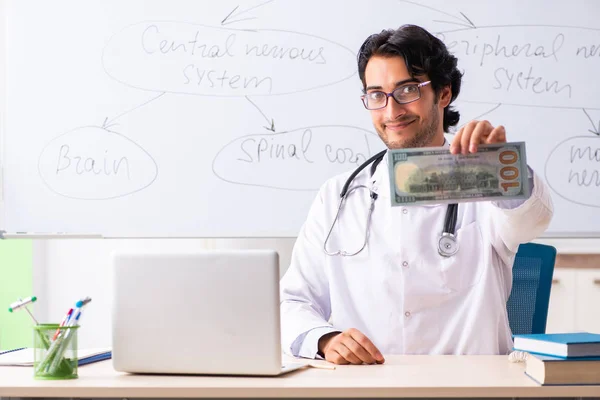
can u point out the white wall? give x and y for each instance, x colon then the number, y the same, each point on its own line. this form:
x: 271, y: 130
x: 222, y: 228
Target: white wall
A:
x: 69, y: 269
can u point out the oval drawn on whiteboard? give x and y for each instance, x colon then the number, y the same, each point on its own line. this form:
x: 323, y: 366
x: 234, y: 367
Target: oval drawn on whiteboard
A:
x: 186, y: 58
x: 572, y: 170
x: 300, y: 159
x: 92, y: 163
x: 527, y: 65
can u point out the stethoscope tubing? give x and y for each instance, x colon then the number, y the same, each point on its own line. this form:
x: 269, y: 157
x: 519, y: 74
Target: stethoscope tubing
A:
x: 447, y: 244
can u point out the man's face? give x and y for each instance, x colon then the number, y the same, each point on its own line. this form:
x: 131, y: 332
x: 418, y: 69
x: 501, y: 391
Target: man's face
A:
x: 415, y: 124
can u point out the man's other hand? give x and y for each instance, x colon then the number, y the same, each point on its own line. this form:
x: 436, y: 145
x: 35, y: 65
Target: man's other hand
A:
x: 349, y: 347
x: 470, y: 136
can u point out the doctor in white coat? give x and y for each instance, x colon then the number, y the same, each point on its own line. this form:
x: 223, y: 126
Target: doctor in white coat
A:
x: 397, y: 294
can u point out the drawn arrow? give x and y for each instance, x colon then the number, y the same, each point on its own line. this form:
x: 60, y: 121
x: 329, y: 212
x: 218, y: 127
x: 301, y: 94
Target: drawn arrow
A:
x: 271, y: 122
x: 236, y: 13
x: 596, y: 129
x: 107, y: 124
x: 466, y: 22
x: 461, y: 20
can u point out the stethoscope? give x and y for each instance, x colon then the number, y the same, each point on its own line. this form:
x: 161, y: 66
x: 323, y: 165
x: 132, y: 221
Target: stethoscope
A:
x: 447, y: 243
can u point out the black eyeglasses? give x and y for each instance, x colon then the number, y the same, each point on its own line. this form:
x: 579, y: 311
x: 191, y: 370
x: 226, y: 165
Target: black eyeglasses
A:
x: 402, y: 94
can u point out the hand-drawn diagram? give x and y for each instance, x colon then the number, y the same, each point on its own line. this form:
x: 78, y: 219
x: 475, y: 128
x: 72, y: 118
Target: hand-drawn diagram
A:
x: 307, y: 148
x: 512, y: 70
x: 88, y: 152
x: 510, y: 63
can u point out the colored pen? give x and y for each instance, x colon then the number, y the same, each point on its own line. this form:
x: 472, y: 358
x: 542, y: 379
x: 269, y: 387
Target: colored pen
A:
x: 63, y: 322
x: 64, y: 342
x: 57, y: 351
x: 75, y: 320
x: 70, y: 314
x: 77, y: 312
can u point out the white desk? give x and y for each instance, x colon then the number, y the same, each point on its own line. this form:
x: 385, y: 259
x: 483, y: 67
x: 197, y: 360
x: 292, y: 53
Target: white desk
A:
x: 400, y: 376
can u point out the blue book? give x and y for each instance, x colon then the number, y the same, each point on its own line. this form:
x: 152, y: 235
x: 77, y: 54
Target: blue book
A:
x: 24, y: 356
x: 10, y: 351
x: 549, y: 370
x: 107, y: 355
x: 566, y: 345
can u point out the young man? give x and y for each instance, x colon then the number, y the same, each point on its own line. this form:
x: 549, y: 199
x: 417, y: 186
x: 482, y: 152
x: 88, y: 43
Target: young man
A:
x: 398, y: 294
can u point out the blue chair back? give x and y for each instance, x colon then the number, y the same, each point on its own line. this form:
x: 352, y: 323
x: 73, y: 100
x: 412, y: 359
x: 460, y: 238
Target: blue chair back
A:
x: 527, y: 304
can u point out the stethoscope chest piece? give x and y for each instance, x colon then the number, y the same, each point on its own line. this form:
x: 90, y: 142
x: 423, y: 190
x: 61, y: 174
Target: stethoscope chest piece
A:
x: 447, y: 245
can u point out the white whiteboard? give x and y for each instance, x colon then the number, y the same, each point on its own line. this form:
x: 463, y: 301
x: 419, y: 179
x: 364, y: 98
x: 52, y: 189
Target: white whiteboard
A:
x: 222, y: 119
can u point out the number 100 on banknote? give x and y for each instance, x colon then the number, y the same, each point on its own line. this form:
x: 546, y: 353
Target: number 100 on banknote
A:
x: 435, y: 176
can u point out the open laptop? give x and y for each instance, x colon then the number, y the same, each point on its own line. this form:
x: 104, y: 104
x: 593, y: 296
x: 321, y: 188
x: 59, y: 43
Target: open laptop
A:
x: 205, y: 312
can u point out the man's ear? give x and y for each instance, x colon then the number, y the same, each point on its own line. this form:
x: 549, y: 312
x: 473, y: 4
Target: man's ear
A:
x: 445, y: 96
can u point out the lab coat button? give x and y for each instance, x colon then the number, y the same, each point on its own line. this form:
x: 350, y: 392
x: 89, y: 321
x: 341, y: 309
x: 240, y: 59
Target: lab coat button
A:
x: 405, y: 264
x: 404, y: 211
x: 407, y: 314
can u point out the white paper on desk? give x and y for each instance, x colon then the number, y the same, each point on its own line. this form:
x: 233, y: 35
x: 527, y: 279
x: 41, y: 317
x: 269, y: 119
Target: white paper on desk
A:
x: 24, y: 357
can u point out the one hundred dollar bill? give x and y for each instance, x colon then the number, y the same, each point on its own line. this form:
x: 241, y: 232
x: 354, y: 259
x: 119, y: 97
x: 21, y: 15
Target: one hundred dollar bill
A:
x: 435, y: 176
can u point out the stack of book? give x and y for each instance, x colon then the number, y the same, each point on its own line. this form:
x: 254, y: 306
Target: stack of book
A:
x: 562, y: 358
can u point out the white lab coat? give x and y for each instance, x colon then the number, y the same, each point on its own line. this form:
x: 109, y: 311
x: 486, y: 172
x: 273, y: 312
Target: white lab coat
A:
x: 399, y: 291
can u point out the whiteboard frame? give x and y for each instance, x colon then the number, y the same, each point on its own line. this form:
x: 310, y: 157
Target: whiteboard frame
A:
x: 3, y: 27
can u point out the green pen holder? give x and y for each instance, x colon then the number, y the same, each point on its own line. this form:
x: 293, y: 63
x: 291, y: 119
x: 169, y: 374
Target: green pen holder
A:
x: 55, y: 358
